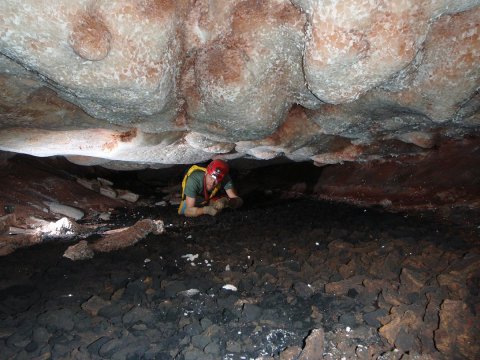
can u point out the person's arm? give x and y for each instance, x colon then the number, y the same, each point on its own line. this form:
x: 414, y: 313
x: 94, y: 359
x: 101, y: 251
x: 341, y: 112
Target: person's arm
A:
x: 192, y: 211
x: 194, y: 186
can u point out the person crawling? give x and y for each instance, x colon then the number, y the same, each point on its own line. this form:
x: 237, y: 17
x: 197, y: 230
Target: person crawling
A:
x: 208, y: 190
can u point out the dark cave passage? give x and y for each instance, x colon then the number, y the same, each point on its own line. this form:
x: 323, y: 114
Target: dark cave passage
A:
x: 251, y: 283
x: 286, y: 276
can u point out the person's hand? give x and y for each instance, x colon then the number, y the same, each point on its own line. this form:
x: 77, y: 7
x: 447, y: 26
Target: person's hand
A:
x: 221, y: 203
x: 235, y: 202
x: 210, y: 210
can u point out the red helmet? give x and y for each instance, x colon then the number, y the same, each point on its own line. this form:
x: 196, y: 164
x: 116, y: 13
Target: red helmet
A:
x: 217, y: 169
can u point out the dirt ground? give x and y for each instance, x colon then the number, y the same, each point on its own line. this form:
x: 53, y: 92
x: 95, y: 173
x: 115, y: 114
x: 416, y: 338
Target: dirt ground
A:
x: 281, y: 279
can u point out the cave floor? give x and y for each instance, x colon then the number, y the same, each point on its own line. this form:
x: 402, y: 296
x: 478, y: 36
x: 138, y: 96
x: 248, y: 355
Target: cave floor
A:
x: 275, y: 279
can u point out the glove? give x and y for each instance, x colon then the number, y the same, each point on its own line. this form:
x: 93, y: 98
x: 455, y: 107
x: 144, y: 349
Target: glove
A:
x: 221, y: 203
x: 235, y: 203
x: 210, y: 210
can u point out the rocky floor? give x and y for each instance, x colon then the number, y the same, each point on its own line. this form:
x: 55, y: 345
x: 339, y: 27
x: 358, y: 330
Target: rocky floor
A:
x: 277, y: 279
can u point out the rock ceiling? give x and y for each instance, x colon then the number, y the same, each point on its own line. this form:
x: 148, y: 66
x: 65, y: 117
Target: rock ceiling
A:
x: 147, y: 83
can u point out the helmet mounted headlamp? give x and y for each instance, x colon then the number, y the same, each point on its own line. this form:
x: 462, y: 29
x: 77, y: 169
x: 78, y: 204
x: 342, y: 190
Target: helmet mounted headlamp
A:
x: 217, y: 169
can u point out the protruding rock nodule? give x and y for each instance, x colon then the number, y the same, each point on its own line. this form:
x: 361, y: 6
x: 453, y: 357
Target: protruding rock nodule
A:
x: 90, y: 37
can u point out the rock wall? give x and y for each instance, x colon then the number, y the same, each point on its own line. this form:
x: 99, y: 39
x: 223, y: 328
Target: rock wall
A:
x: 154, y: 82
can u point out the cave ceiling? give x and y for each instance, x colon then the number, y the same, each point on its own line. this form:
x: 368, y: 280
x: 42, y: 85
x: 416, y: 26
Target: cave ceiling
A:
x: 151, y: 83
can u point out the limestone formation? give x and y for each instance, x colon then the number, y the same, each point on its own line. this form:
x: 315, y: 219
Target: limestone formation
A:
x: 130, y: 85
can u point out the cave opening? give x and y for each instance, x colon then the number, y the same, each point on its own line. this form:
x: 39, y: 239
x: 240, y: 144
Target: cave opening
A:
x: 287, y: 276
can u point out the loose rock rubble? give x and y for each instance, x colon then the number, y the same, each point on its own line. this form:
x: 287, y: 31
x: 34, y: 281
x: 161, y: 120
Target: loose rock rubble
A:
x: 115, y: 239
x: 38, y: 231
x: 313, y: 280
x: 104, y: 187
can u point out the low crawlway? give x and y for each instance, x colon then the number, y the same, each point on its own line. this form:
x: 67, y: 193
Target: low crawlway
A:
x: 276, y: 279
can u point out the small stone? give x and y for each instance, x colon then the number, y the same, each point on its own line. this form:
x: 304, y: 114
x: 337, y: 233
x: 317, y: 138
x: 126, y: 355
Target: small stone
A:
x: 61, y: 319
x: 94, y: 347
x: 303, y: 290
x: 372, y: 317
x: 200, y: 341
x: 229, y: 287
x: 195, y: 354
x: 94, y: 304
x: 314, y: 345
x: 412, y: 280
x: 233, y: 346
x: 138, y: 314
x: 212, y: 348
x: 40, y: 335
x: 110, y: 347
x: 140, y: 327
x: 348, y: 319
x: 405, y: 341
x: 111, y: 311
x: 193, y: 329
x: 31, y: 346
x: 127, y: 195
x: 251, y: 312
x: 459, y: 330
x: 290, y: 353
x: 66, y: 210
x: 80, y: 251
x: 342, y: 287
x: 104, y: 216
x: 172, y: 288
x: 205, y: 323
x: 293, y: 265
